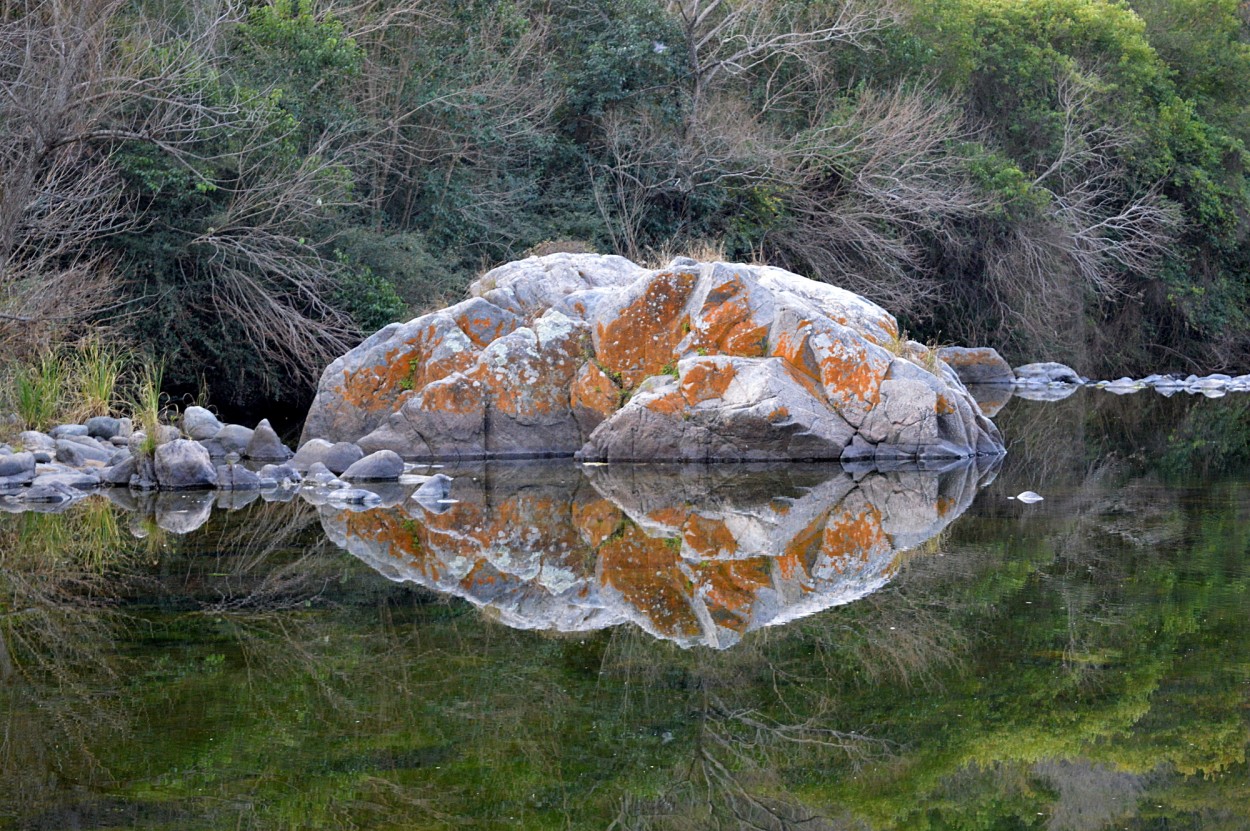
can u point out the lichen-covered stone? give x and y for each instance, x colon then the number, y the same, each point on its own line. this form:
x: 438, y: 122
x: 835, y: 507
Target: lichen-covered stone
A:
x: 978, y: 365
x: 592, y: 355
x: 723, y: 409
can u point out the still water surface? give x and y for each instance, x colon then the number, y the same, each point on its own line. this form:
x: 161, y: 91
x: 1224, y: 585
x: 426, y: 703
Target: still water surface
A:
x: 652, y: 649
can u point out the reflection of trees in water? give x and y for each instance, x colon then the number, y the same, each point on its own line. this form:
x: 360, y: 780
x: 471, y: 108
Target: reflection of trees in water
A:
x: 252, y: 556
x: 760, y: 716
x: 1090, y: 796
x: 59, y: 672
x: 69, y: 584
x: 1063, y: 443
x: 1092, y: 626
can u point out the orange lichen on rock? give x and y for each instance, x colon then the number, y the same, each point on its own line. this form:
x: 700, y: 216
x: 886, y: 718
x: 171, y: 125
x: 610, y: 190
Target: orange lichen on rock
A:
x: 708, y: 538
x: 406, y: 367
x: 641, y: 340
x: 647, y: 574
x: 746, y: 340
x: 482, y: 329
x: 461, y: 395
x: 596, y: 520
x: 670, y: 403
x: 532, y: 383
x: 848, y: 373
x: 726, y: 324
x: 795, y: 347
x: 707, y: 380
x: 853, y: 537
x: 593, y: 393
x: 383, y: 387
x: 944, y: 405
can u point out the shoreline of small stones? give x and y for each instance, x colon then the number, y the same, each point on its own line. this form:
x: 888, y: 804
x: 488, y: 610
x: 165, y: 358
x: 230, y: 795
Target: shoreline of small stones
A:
x: 1053, y: 381
x: 201, y: 453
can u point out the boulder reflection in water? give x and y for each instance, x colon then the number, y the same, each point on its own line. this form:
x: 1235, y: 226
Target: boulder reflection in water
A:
x: 696, y: 555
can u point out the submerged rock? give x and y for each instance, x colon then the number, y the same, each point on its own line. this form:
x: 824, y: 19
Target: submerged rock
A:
x: 698, y: 361
x: 433, y: 492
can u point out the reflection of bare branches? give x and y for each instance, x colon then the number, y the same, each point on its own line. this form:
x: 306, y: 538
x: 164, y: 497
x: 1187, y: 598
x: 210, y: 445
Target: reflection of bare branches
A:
x: 902, y: 634
x: 764, y: 732
x: 731, y: 779
x: 57, y: 622
x: 256, y: 577
x: 755, y: 716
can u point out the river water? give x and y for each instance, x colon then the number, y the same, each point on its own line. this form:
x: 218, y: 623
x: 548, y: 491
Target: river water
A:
x: 654, y: 648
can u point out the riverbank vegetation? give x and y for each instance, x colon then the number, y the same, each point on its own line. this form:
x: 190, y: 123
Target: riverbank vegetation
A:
x: 243, y: 189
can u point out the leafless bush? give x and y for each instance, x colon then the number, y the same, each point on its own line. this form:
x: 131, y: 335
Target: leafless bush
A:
x: 79, y: 78
x: 867, y: 188
x: 723, y: 39
x: 1090, y: 235
x: 487, y: 114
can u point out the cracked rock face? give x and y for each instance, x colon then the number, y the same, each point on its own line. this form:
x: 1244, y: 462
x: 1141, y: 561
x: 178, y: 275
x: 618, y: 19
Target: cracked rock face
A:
x: 596, y: 356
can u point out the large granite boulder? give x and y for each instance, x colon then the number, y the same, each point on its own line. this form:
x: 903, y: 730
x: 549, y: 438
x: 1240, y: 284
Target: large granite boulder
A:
x: 577, y: 353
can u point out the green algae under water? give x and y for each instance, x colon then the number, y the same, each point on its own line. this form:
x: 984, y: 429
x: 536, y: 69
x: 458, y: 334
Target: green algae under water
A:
x: 1081, y: 663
